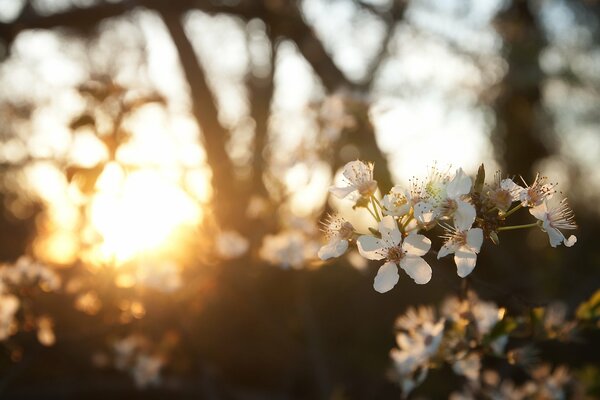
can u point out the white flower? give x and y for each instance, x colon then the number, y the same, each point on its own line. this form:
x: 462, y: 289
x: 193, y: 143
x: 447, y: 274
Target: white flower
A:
x: 407, y: 253
x: 338, y: 232
x: 485, y: 313
x: 537, y: 192
x: 411, y: 358
x: 358, y: 178
x: 504, y: 192
x: 230, y: 244
x: 465, y: 243
x: 511, y: 187
x: 462, y: 212
x: 468, y: 367
x: 397, y: 202
x: 555, y: 216
x: 414, y: 318
x: 442, y: 197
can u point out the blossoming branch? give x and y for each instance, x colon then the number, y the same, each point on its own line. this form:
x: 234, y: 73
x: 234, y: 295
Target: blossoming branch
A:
x: 467, y: 210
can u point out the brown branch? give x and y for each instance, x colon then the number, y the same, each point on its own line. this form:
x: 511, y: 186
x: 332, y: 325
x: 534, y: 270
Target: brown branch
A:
x: 205, y: 111
x: 289, y: 23
x: 260, y: 95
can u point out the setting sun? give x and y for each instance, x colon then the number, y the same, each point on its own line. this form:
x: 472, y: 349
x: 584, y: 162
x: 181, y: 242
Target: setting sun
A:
x: 138, y: 212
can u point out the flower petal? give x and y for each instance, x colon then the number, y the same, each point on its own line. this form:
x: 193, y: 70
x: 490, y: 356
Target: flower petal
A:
x: 416, y: 268
x: 358, y: 171
x: 371, y: 247
x: 459, y: 185
x: 387, y: 277
x: 335, y: 248
x: 465, y: 261
x: 556, y: 237
x: 389, y: 230
x: 514, y: 189
x: 416, y: 245
x: 464, y: 216
x: 341, y: 191
x: 449, y: 247
x: 424, y: 212
x: 571, y: 241
x: 540, y: 211
x: 475, y: 239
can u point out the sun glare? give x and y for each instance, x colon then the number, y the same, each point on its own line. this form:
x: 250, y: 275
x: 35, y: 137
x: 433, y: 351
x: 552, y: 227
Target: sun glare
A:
x: 137, y: 213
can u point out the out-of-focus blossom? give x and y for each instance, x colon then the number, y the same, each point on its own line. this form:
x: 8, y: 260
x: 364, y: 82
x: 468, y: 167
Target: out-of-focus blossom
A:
x: 133, y: 354
x: 88, y: 302
x: 338, y: 232
x: 45, y: 331
x: 26, y: 271
x: 358, y: 178
x: 9, y: 304
x: 230, y: 244
x: 469, y: 366
x: 146, y: 370
x: 415, y: 349
x: 258, y: 207
x: 407, y: 253
x: 288, y: 249
x: 555, y: 216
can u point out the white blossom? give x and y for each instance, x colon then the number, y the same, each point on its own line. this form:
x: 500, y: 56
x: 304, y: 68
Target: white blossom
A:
x: 415, y: 349
x: 407, y: 253
x: 397, y: 202
x: 9, y: 304
x: 535, y: 194
x: 358, y: 178
x: 556, y: 216
x: 469, y: 366
x: 465, y: 243
x: 338, y: 232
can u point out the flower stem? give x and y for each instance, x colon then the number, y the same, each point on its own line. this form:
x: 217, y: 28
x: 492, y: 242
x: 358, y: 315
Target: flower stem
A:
x: 373, y: 201
x: 508, y: 228
x: 509, y: 212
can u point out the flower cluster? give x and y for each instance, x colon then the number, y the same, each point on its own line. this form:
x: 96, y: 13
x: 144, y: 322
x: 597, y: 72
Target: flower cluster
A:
x: 25, y: 273
x: 467, y: 334
x: 467, y: 210
x: 425, y: 340
x: 134, y: 354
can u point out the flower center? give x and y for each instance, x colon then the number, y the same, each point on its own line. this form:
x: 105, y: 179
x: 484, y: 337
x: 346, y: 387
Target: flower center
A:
x: 395, y: 254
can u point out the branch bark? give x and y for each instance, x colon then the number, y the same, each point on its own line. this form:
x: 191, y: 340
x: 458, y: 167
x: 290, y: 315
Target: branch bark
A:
x: 205, y: 111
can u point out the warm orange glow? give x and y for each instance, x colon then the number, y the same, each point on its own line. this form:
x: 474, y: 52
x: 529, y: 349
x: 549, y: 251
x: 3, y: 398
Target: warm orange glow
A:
x: 137, y: 213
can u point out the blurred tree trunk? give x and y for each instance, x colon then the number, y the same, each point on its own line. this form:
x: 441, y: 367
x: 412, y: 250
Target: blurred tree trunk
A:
x: 521, y: 138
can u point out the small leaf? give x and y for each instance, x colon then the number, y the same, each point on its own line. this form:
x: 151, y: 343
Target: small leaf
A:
x: 494, y: 238
x: 479, y: 180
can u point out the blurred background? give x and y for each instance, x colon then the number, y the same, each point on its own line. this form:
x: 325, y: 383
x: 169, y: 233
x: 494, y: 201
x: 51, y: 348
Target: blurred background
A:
x: 169, y: 162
